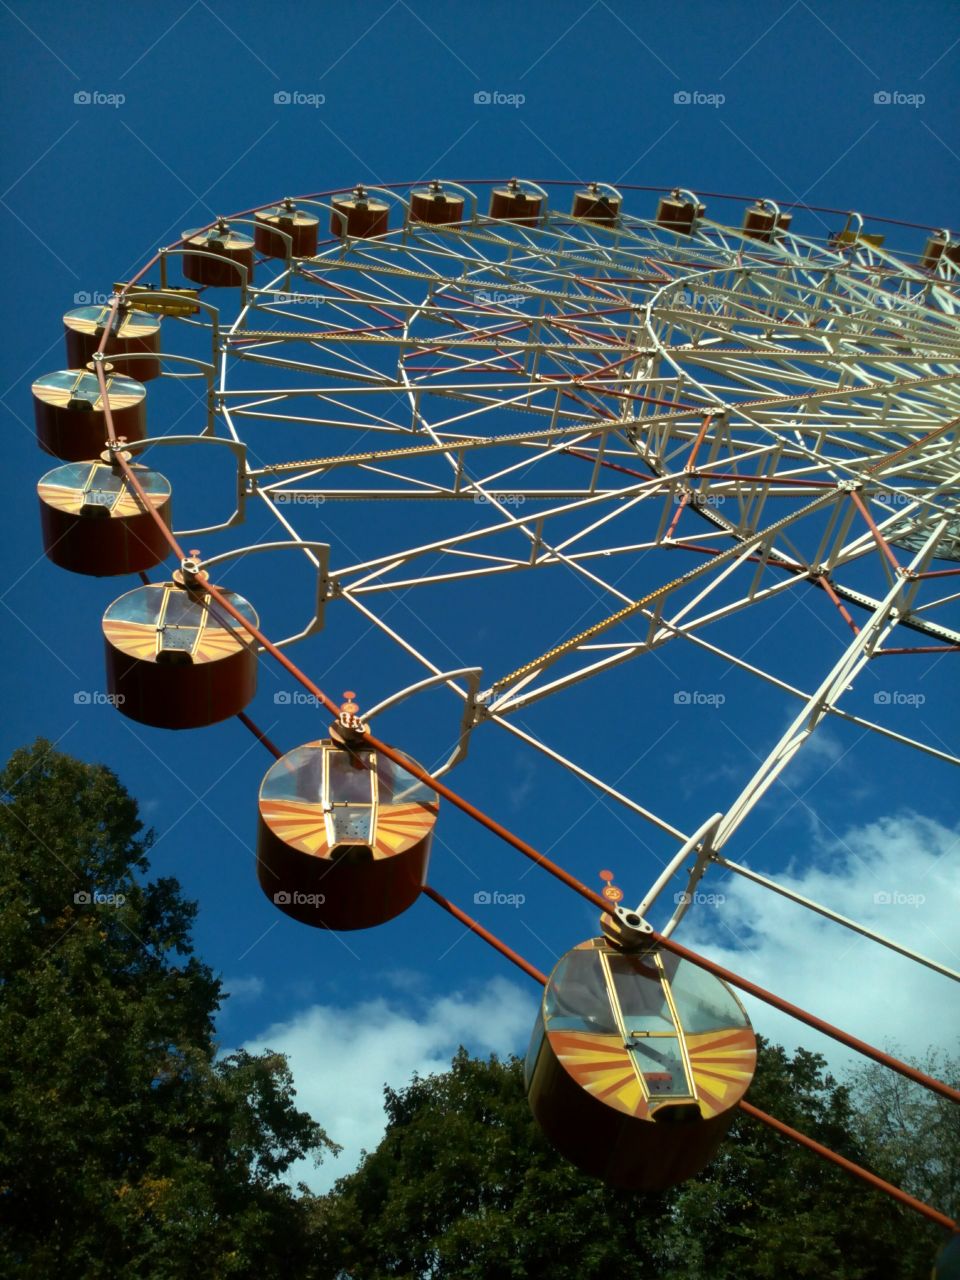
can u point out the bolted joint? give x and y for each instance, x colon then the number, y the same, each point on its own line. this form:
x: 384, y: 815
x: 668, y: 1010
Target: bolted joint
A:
x: 191, y: 569
x: 627, y: 930
x: 116, y: 453
x: 349, y: 728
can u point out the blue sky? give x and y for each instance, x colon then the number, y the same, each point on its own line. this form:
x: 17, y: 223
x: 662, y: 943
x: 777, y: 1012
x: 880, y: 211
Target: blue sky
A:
x: 90, y: 189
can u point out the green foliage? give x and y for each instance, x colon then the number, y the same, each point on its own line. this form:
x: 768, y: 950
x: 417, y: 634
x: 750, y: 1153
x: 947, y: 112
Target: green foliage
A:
x: 914, y: 1133
x: 464, y: 1186
x: 127, y: 1147
x: 768, y: 1208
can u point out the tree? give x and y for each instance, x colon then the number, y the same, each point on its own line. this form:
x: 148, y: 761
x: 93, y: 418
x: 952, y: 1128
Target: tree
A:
x: 463, y: 1185
x: 914, y: 1133
x: 768, y: 1208
x: 128, y: 1148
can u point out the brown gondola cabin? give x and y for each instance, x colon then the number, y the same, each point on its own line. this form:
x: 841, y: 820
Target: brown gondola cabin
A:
x: 134, y: 334
x: 636, y: 1064
x: 94, y: 522
x: 218, y: 257
x: 344, y: 836
x: 69, y: 414
x: 302, y: 228
x: 175, y: 659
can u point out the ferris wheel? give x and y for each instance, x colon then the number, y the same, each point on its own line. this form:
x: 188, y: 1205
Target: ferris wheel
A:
x: 674, y: 410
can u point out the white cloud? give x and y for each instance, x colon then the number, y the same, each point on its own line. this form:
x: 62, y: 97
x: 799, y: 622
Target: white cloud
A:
x: 243, y: 988
x: 898, y: 877
x: 342, y: 1057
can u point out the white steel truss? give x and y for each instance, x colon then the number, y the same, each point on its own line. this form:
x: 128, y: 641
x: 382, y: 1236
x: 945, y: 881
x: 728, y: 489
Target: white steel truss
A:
x: 773, y: 417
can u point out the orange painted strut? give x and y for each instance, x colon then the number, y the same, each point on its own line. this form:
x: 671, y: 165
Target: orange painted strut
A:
x: 877, y: 535
x: 824, y: 582
x: 259, y: 734
x: 857, y: 1170
x: 705, y: 427
x: 921, y: 648
x: 513, y: 956
x: 938, y: 573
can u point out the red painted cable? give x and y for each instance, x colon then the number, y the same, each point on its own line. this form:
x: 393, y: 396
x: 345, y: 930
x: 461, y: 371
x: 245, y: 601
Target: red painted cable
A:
x: 910, y: 1202
x: 474, y: 927
x: 259, y: 734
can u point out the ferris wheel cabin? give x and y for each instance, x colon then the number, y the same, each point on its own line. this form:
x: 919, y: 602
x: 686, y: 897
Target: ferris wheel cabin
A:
x: 69, y: 414
x: 302, y: 228
x: 218, y: 257
x: 344, y: 836
x: 94, y: 522
x: 434, y: 205
x: 175, y: 659
x: 636, y: 1064
x: 679, y: 214
x: 363, y: 215
x: 938, y: 247
x: 760, y: 222
x: 594, y: 205
x: 134, y: 334
x: 513, y: 204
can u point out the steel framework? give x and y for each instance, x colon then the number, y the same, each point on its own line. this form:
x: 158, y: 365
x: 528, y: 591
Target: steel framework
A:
x: 775, y: 414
